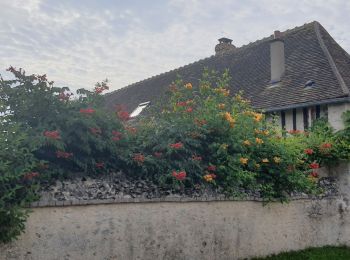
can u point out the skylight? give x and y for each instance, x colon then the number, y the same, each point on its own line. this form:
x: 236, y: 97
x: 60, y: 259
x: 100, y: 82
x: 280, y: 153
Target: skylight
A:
x: 139, y: 109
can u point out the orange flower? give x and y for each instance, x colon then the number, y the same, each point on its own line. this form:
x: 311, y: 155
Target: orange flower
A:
x: 265, y: 160
x: 243, y: 160
x: 209, y: 177
x: 247, y: 143
x: 222, y: 91
x: 188, y: 86
x: 199, y: 122
x: 259, y: 141
x: 258, y: 117
x: 277, y: 159
x: 221, y: 106
x: 227, y: 116
x: 265, y: 132
x: 224, y: 146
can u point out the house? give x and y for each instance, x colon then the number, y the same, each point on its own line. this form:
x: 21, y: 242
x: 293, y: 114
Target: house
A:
x: 301, y: 74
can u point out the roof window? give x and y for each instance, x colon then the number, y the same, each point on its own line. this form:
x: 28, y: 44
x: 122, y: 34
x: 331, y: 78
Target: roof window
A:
x: 309, y: 84
x: 139, y: 109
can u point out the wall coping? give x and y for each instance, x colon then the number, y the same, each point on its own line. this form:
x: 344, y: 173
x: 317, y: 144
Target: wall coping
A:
x: 178, y: 199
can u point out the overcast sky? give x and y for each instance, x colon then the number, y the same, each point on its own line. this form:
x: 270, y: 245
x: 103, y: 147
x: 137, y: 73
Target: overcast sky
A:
x: 79, y: 42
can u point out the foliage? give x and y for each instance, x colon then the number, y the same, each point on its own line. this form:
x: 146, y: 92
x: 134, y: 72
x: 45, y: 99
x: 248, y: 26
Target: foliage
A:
x: 70, y: 134
x: 321, y: 253
x: 17, y: 179
x: 202, y: 136
x: 218, y: 140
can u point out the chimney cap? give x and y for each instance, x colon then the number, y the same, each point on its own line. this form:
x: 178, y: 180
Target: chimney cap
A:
x: 277, y: 35
x: 225, y: 40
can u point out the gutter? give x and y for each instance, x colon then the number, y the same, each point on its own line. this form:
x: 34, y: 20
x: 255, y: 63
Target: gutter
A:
x: 307, y: 104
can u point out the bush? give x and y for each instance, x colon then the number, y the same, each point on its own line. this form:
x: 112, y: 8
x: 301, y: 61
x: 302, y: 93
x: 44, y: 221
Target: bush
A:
x: 208, y: 137
x: 72, y: 134
x: 17, y: 180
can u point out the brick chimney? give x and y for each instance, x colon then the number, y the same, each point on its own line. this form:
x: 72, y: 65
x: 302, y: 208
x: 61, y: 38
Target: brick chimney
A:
x: 224, y: 46
x: 277, y: 57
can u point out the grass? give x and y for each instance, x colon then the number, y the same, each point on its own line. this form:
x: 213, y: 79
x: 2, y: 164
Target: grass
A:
x: 321, y: 253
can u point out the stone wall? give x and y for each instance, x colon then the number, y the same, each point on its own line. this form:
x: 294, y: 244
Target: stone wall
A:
x: 180, y: 229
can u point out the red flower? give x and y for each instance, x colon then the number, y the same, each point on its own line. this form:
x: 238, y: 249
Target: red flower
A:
x: 314, y: 174
x: 180, y: 176
x: 326, y: 145
x: 139, y: 158
x: 100, y: 165
x: 294, y: 132
x: 30, y: 175
x: 64, y: 96
x: 314, y: 165
x: 123, y: 115
x: 199, y: 122
x: 181, y: 104
x: 173, y: 87
x: 309, y: 151
x: 158, y: 154
x: 211, y: 168
x: 99, y: 90
x: 176, y: 145
x: 95, y: 131
x: 189, y: 110
x: 52, y: 134
x: 116, y: 135
x: 131, y: 130
x: 88, y: 111
x: 196, y: 158
x: 62, y: 154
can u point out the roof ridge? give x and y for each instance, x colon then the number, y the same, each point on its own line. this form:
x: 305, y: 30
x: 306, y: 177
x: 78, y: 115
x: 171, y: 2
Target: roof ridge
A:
x: 330, y: 59
x: 243, y: 47
x: 158, y: 75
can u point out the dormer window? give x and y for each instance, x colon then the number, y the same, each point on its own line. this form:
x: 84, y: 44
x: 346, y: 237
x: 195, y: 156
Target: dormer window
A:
x: 309, y: 84
x: 139, y: 109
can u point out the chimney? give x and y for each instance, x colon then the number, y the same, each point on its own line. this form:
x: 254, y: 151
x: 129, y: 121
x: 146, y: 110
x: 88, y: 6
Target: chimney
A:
x: 277, y: 57
x: 224, y: 46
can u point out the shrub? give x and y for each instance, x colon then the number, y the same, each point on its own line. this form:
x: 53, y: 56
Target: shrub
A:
x: 72, y: 134
x: 17, y: 179
x: 220, y: 140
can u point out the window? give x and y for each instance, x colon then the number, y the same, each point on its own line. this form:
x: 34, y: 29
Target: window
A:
x: 283, y: 119
x: 294, y: 119
x: 306, y: 117
x: 139, y: 109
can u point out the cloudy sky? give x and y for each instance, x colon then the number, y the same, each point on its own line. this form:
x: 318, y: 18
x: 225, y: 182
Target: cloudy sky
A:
x: 79, y: 42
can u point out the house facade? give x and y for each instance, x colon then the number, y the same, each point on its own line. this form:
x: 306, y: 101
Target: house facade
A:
x: 300, y: 75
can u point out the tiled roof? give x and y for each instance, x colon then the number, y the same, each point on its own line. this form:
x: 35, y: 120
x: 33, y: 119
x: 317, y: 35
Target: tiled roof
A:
x: 310, y: 54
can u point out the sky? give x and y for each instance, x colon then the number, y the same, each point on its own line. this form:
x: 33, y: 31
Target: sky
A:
x: 80, y: 42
